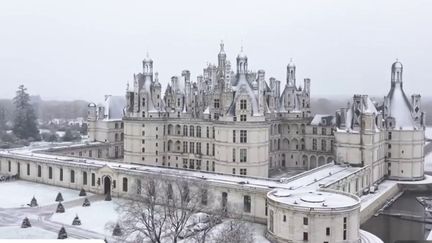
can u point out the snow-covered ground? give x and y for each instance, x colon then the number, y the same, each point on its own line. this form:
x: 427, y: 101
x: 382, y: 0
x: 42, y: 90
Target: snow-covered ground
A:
x: 92, y: 218
x: 19, y: 194
x: 16, y: 232
x: 46, y: 223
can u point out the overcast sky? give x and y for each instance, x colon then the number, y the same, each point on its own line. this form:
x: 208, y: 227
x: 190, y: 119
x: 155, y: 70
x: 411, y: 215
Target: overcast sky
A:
x: 85, y: 49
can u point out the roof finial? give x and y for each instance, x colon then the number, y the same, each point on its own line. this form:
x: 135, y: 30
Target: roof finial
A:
x: 222, y: 46
x: 147, y: 54
x: 291, y: 60
x: 397, y: 59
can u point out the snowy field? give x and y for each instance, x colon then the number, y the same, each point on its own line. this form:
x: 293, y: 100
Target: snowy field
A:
x: 20, y: 194
x: 46, y: 223
x: 92, y: 218
x: 15, y: 232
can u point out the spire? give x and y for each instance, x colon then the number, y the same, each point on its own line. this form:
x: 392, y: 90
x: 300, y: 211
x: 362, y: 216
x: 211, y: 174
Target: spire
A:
x: 222, y: 50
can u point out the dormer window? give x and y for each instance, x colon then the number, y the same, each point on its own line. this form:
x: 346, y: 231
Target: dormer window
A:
x: 243, y: 105
x: 216, y: 104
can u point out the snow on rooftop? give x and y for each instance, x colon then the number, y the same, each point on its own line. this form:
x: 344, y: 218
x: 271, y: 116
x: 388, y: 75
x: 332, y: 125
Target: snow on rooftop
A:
x: 400, y: 108
x: 308, y: 181
x: 318, y: 118
x: 114, y: 106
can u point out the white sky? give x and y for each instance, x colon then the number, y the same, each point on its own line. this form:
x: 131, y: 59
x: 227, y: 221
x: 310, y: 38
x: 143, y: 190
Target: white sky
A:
x: 85, y: 49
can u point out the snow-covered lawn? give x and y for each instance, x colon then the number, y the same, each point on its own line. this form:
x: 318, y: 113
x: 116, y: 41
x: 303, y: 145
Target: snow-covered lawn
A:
x: 92, y: 218
x: 19, y: 194
x: 16, y: 232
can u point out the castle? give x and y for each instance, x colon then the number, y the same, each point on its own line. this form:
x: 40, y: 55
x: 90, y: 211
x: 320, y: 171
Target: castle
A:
x: 231, y: 131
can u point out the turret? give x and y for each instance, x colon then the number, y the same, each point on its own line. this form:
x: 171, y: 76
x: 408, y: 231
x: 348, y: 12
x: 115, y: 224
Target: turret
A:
x: 396, y: 73
x: 291, y: 69
x: 148, y: 66
x: 242, y: 63
x: 221, y: 57
x: 91, y: 112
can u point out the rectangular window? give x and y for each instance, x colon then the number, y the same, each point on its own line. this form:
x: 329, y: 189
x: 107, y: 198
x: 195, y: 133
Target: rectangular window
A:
x: 344, y: 228
x: 323, y: 145
x: 207, y: 149
x: 243, y: 171
x: 243, y: 155
x: 234, y: 136
x: 185, y: 163
x: 198, y: 131
x: 271, y: 221
x: 243, y: 118
x: 284, y: 218
x: 191, y: 147
x: 93, y: 179
x: 84, y: 178
x: 243, y: 105
x: 213, y: 152
x: 198, y: 148
x: 125, y: 184
x: 9, y: 166
x: 305, y: 221
x: 323, y: 131
x: 314, y: 130
x: 185, y: 147
x: 191, y: 131
x: 216, y: 103
x: 72, y: 176
x: 305, y: 236
x: 49, y: 172
x: 233, y: 171
x: 28, y: 169
x: 389, y: 136
x: 243, y: 136
x: 247, y: 204
x: 61, y: 174
x: 39, y: 171
x: 314, y: 144
x: 234, y: 155
x: 328, y: 231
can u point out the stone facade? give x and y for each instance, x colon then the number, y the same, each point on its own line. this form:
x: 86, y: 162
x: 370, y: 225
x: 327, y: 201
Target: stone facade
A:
x: 227, y: 121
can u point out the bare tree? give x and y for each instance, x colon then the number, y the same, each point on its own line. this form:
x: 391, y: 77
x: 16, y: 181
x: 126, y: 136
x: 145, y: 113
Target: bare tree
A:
x: 165, y: 211
x: 234, y: 230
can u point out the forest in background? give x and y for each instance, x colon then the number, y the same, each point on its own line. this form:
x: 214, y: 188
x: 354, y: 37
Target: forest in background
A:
x: 47, y: 110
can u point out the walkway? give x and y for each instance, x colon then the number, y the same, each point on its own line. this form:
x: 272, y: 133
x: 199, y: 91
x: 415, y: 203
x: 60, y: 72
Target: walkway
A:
x: 40, y: 217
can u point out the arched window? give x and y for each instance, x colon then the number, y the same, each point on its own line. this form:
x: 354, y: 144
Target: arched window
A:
x: 72, y: 176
